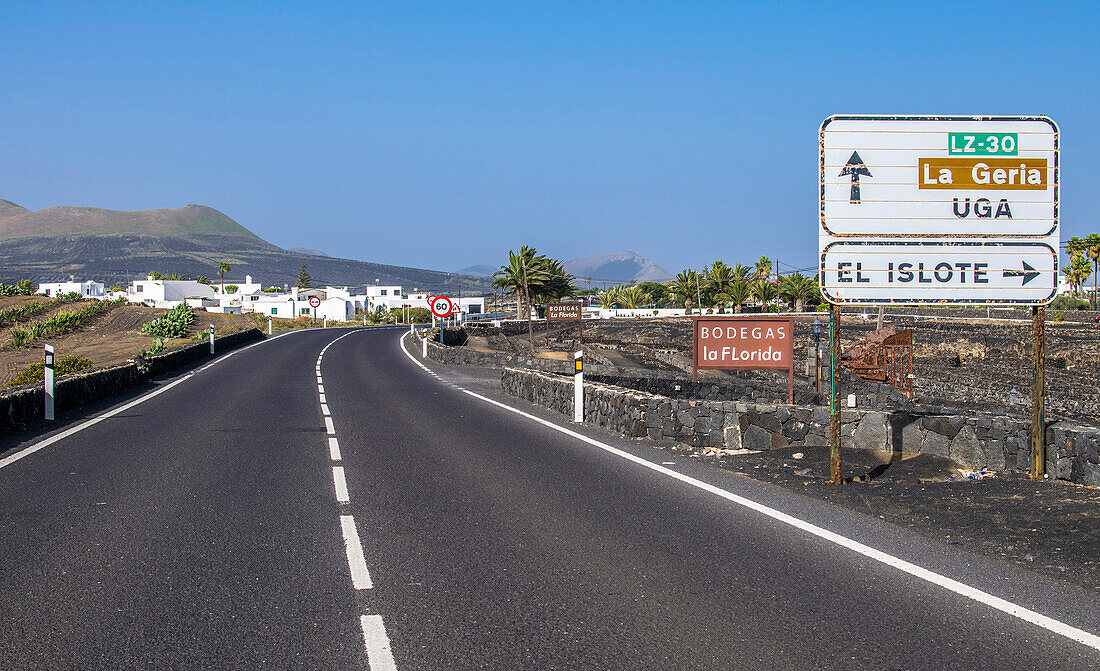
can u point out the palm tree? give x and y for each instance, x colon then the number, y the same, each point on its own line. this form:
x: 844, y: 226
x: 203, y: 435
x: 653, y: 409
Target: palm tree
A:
x: 522, y: 276
x: 558, y: 284
x: 762, y: 291
x: 796, y: 289
x: 608, y: 298
x: 1077, y: 272
x: 684, y: 288
x: 1092, y: 251
x: 763, y: 268
x: 631, y: 297
x: 223, y: 268
x: 720, y: 278
x: 738, y: 293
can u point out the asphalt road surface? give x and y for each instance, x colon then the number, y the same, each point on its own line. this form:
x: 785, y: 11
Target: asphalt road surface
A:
x: 307, y: 505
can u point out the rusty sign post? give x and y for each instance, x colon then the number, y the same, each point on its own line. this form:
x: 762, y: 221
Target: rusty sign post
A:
x: 743, y: 343
x: 1038, y: 394
x: 834, y: 394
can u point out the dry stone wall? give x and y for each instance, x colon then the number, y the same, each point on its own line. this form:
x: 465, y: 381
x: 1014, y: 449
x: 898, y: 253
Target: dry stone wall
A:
x: 976, y: 442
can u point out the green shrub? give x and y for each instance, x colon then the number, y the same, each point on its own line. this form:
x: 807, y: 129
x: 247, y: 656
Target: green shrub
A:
x: 64, y: 365
x: 20, y: 288
x: 1058, y: 317
x: 173, y: 324
x: 1066, y: 302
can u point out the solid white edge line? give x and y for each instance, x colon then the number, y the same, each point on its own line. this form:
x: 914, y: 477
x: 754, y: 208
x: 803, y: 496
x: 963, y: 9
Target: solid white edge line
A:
x: 360, y: 576
x: 334, y: 449
x: 962, y: 589
x: 377, y: 642
x: 341, y: 484
x: 329, y: 428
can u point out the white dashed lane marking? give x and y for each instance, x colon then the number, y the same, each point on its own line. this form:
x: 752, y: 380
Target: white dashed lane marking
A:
x: 341, y: 484
x: 360, y: 576
x: 378, y: 643
x: 375, y: 638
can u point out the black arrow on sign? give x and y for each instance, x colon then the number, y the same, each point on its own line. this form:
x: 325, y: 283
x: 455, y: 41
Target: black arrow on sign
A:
x: 855, y: 168
x: 1028, y: 273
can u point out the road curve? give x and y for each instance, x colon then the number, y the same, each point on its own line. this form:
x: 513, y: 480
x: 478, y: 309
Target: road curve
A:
x: 319, y: 501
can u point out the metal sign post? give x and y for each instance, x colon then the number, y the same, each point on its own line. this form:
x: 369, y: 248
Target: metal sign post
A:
x: 47, y: 376
x: 834, y: 394
x: 1038, y: 394
x: 578, y: 386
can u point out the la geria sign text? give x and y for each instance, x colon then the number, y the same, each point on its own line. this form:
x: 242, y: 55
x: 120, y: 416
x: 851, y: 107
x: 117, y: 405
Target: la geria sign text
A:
x: 927, y: 210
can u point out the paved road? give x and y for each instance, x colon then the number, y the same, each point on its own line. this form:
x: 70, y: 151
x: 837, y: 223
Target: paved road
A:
x: 204, y: 529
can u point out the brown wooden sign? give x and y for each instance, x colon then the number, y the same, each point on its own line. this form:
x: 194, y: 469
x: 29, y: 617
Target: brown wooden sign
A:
x: 741, y: 343
x: 563, y: 312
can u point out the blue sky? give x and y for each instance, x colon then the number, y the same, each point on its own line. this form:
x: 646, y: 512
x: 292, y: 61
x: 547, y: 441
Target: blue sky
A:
x: 442, y: 134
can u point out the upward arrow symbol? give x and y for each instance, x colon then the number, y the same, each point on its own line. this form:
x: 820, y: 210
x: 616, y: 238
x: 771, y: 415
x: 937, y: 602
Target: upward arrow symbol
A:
x: 855, y: 168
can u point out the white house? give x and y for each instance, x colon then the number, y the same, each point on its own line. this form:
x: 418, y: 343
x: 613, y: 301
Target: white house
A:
x: 87, y: 289
x: 336, y: 309
x: 242, y: 288
x: 392, y: 297
x: 166, y: 293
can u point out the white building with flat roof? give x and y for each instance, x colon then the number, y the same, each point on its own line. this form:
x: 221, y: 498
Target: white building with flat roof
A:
x: 87, y: 289
x: 166, y: 293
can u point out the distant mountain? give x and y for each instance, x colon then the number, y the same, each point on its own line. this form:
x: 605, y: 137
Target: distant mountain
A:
x: 308, y: 250
x: 479, y: 271
x: 616, y: 268
x: 114, y: 247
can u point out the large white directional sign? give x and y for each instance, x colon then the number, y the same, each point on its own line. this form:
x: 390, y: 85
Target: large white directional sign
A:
x: 933, y: 210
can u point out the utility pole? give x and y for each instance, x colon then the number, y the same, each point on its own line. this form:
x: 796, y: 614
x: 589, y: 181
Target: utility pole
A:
x: 530, y: 328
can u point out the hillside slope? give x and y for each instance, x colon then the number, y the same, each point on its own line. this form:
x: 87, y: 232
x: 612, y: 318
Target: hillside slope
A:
x: 114, y: 247
x: 616, y: 268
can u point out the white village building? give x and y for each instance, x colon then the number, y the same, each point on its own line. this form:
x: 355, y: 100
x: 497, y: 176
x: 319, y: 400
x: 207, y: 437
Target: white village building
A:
x: 392, y: 297
x: 87, y: 289
x: 170, y: 293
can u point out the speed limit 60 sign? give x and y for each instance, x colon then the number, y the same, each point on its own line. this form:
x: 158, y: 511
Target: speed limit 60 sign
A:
x: 441, y: 306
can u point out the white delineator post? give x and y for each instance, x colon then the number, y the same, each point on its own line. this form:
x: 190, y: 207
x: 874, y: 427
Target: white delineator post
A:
x: 578, y: 386
x: 424, y: 343
x: 47, y: 376
x: 269, y: 325
x: 211, y: 338
x: 326, y: 322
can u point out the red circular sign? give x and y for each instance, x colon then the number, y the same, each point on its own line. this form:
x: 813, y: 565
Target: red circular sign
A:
x: 441, y: 306
x: 314, y: 302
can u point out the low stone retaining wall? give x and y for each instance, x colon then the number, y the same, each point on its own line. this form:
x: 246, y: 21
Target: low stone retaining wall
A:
x: 976, y: 442
x: 464, y: 356
x: 24, y: 405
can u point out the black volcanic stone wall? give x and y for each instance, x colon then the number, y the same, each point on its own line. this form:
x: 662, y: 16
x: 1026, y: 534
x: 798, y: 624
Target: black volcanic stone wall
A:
x: 974, y: 441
